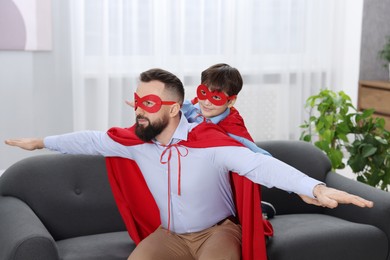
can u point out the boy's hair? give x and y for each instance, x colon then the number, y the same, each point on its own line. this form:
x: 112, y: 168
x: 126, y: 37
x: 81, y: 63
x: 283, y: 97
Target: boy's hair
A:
x: 172, y: 83
x: 222, y: 77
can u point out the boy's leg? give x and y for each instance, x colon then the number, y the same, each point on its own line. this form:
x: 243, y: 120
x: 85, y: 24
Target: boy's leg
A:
x: 161, y: 245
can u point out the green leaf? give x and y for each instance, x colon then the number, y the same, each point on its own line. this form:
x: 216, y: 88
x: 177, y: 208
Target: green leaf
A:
x: 329, y: 121
x: 380, y: 122
x: 357, y: 163
x: 336, y: 157
x: 343, y: 128
x: 328, y: 136
x: 307, y: 138
x: 361, y: 179
x: 379, y: 161
x: 368, y: 150
x: 368, y: 112
x: 381, y: 173
x: 343, y: 137
x: 381, y: 140
x: 320, y: 125
x: 323, y: 145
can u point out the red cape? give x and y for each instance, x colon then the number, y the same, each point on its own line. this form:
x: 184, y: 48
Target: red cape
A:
x: 139, y: 210
x: 233, y: 123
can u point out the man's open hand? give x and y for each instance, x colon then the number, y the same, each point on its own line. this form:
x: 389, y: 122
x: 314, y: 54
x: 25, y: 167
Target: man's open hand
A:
x: 330, y: 198
x: 26, y: 143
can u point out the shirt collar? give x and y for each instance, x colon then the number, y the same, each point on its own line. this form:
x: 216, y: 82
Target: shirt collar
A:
x: 182, y: 130
x: 218, y: 118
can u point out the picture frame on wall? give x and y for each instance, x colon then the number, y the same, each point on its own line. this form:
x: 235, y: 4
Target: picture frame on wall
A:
x: 25, y: 25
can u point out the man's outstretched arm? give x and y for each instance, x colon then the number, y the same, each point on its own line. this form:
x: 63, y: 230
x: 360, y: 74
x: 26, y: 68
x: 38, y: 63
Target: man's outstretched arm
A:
x: 271, y: 172
x: 81, y: 142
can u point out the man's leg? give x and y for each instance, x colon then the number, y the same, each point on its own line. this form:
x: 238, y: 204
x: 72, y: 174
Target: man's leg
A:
x: 223, y: 242
x: 163, y: 246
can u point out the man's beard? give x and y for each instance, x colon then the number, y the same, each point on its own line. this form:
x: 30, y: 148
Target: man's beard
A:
x: 147, y: 133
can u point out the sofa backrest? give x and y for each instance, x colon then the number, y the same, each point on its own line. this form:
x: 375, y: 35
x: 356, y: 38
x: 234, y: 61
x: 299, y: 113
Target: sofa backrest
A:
x: 69, y: 193
x: 306, y: 158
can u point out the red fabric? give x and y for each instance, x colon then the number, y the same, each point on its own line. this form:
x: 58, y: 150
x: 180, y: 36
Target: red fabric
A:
x: 140, y: 212
x: 234, y: 124
x: 246, y: 190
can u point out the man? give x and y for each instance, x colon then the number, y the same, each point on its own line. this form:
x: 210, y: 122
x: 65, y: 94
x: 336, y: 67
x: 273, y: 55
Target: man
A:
x: 185, y: 168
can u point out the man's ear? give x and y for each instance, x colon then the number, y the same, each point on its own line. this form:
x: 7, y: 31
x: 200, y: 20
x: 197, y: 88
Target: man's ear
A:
x: 174, y: 110
x: 231, y: 102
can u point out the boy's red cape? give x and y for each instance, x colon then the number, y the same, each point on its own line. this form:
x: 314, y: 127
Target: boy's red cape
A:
x: 139, y: 210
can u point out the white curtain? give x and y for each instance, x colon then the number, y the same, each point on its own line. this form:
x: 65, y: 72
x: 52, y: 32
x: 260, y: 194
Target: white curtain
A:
x: 286, y: 50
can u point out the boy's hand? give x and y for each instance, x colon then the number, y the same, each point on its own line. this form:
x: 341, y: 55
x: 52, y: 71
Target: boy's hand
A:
x: 130, y: 103
x: 26, y: 143
x: 330, y: 198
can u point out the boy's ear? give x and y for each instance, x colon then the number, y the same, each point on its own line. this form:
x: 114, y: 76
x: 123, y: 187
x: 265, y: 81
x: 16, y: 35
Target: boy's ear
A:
x: 174, y: 110
x: 231, y: 102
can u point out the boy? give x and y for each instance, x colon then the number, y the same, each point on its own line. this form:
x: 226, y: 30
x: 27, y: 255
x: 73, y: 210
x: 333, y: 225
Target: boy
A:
x: 220, y: 85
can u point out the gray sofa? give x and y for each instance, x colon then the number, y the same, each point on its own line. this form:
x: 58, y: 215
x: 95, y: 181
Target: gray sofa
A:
x: 61, y: 207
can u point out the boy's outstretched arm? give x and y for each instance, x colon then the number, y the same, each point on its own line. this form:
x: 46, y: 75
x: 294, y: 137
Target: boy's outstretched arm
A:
x: 249, y: 144
x: 29, y: 144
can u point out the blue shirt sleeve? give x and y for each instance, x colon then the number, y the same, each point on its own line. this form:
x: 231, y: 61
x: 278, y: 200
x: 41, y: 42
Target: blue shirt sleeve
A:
x: 249, y: 144
x: 191, y: 112
x: 87, y: 142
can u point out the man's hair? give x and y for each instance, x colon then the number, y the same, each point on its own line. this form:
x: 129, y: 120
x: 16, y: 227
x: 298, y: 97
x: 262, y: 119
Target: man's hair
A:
x: 222, y: 77
x: 172, y: 83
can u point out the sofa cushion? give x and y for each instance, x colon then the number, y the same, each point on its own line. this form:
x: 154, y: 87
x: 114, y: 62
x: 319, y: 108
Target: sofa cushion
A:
x: 108, y: 246
x: 316, y: 236
x: 66, y: 192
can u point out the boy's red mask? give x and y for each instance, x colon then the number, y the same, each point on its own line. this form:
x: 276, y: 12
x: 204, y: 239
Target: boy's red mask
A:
x: 150, y: 103
x: 217, y: 98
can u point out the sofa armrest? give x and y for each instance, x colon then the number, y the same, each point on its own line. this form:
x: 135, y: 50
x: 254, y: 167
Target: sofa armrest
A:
x: 378, y: 216
x: 23, y: 236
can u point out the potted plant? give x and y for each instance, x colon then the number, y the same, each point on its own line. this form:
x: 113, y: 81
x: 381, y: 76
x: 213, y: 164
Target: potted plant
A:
x: 384, y: 54
x: 348, y: 135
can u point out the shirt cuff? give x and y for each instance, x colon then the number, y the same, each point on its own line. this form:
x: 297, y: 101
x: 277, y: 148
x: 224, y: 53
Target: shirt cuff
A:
x: 308, y: 185
x: 50, y: 143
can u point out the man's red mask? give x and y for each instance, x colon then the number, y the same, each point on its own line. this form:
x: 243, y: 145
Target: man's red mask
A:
x: 217, y: 98
x: 150, y: 103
